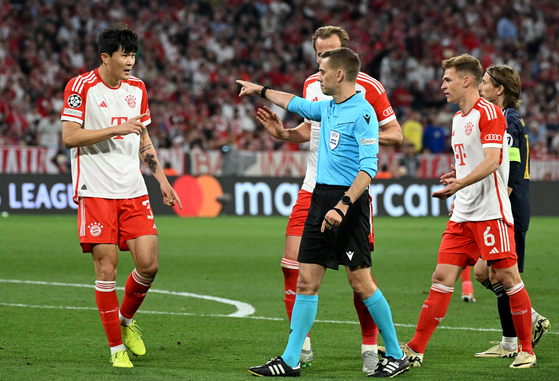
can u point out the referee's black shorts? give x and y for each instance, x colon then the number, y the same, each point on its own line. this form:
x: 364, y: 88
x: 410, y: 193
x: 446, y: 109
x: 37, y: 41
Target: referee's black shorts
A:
x: 346, y: 244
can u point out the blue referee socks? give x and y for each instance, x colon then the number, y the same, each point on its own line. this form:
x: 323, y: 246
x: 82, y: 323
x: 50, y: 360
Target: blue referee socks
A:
x: 302, y: 319
x: 380, y: 311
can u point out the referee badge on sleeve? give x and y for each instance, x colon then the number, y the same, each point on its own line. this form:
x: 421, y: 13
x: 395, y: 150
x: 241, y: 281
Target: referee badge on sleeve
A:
x: 334, y: 139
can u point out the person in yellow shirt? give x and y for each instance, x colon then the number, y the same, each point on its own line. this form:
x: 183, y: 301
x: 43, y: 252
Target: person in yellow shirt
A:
x: 412, y: 129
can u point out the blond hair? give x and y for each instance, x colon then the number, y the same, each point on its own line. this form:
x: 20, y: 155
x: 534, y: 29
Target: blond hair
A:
x: 465, y: 64
x: 345, y: 59
x: 506, y: 76
x: 326, y: 32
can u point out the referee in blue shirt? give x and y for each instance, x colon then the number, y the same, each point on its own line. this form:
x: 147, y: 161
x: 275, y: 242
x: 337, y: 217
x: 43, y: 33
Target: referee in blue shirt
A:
x: 337, y: 228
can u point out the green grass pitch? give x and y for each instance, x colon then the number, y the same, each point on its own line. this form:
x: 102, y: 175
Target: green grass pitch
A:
x: 213, y: 268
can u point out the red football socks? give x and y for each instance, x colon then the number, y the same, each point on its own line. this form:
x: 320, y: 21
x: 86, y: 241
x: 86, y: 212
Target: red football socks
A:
x: 433, y: 311
x: 290, y: 270
x: 107, y: 303
x: 521, y: 310
x: 369, y: 329
x: 135, y: 292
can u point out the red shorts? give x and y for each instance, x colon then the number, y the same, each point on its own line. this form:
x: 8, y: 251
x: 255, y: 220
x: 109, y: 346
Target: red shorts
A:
x: 463, y: 243
x: 299, y: 213
x: 102, y: 220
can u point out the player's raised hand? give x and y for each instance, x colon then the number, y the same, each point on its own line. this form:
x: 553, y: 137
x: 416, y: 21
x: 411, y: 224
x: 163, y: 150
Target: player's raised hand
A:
x: 271, y: 122
x: 249, y: 89
x: 450, y: 175
x: 452, y: 186
x: 170, y: 197
x: 131, y: 126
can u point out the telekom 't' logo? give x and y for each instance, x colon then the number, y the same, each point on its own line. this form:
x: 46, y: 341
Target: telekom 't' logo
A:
x: 460, y: 152
x: 118, y: 120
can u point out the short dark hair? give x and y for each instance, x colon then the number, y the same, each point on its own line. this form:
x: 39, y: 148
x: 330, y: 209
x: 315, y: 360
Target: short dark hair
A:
x: 506, y: 76
x: 465, y: 64
x: 326, y: 32
x: 118, y: 37
x: 345, y: 59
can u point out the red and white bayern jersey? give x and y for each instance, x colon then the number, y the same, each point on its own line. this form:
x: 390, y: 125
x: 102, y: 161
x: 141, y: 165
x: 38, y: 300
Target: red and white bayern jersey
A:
x: 111, y: 168
x: 372, y: 91
x: 483, y: 127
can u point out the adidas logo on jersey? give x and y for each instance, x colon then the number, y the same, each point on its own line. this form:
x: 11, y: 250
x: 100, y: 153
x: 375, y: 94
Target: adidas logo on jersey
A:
x: 84, y: 187
x: 103, y: 104
x: 494, y: 251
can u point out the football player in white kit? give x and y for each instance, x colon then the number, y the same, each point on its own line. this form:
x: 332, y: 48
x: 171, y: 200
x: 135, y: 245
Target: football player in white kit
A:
x: 328, y: 38
x: 104, y: 121
x: 481, y: 223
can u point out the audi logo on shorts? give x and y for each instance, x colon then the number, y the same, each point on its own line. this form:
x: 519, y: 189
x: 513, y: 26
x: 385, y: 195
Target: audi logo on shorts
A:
x: 493, y: 137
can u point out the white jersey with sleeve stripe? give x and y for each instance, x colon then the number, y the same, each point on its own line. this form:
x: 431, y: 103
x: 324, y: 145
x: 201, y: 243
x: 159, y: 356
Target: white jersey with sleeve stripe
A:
x: 372, y: 91
x: 109, y: 169
x: 483, y: 127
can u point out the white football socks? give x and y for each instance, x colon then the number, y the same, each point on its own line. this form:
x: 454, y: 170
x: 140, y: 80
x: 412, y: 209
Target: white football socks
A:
x: 124, y: 321
x: 368, y: 348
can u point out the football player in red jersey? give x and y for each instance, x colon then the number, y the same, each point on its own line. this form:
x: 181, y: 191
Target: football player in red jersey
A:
x: 104, y: 121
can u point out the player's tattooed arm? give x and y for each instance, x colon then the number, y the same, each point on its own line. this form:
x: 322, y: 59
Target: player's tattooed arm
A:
x: 145, y: 148
x: 151, y: 162
x: 147, y: 154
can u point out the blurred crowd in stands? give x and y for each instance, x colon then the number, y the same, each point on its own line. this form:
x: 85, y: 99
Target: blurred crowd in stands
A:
x: 191, y: 52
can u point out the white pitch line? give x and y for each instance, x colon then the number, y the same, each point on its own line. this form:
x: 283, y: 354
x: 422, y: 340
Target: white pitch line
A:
x: 249, y: 317
x: 238, y: 314
x: 243, y: 309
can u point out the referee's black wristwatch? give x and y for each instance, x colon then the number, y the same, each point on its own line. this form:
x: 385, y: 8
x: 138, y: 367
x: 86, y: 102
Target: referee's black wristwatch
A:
x: 346, y: 200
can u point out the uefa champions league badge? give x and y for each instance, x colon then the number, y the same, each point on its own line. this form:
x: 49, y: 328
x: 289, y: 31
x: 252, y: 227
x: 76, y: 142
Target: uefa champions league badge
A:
x: 334, y: 139
x: 95, y: 229
x: 74, y: 101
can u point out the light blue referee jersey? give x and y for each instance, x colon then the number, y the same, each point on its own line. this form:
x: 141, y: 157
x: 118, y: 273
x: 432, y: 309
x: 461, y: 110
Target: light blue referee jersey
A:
x: 348, y: 137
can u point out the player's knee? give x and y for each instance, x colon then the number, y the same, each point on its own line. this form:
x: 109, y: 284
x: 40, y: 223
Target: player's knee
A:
x: 148, y: 271
x: 436, y: 278
x: 439, y: 277
x: 481, y: 277
x: 291, y: 254
x: 364, y: 291
x: 507, y: 279
x: 306, y: 286
x: 105, y: 272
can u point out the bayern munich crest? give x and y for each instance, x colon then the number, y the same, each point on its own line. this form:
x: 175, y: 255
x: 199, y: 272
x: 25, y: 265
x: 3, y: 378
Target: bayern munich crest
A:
x: 131, y: 100
x: 468, y: 128
x: 74, y: 101
x: 95, y: 229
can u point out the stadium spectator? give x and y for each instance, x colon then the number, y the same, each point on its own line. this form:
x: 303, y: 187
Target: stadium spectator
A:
x: 108, y: 184
x: 169, y: 170
x: 412, y: 129
x: 408, y: 165
x: 42, y: 44
x: 434, y: 136
x: 49, y: 131
x: 384, y: 173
